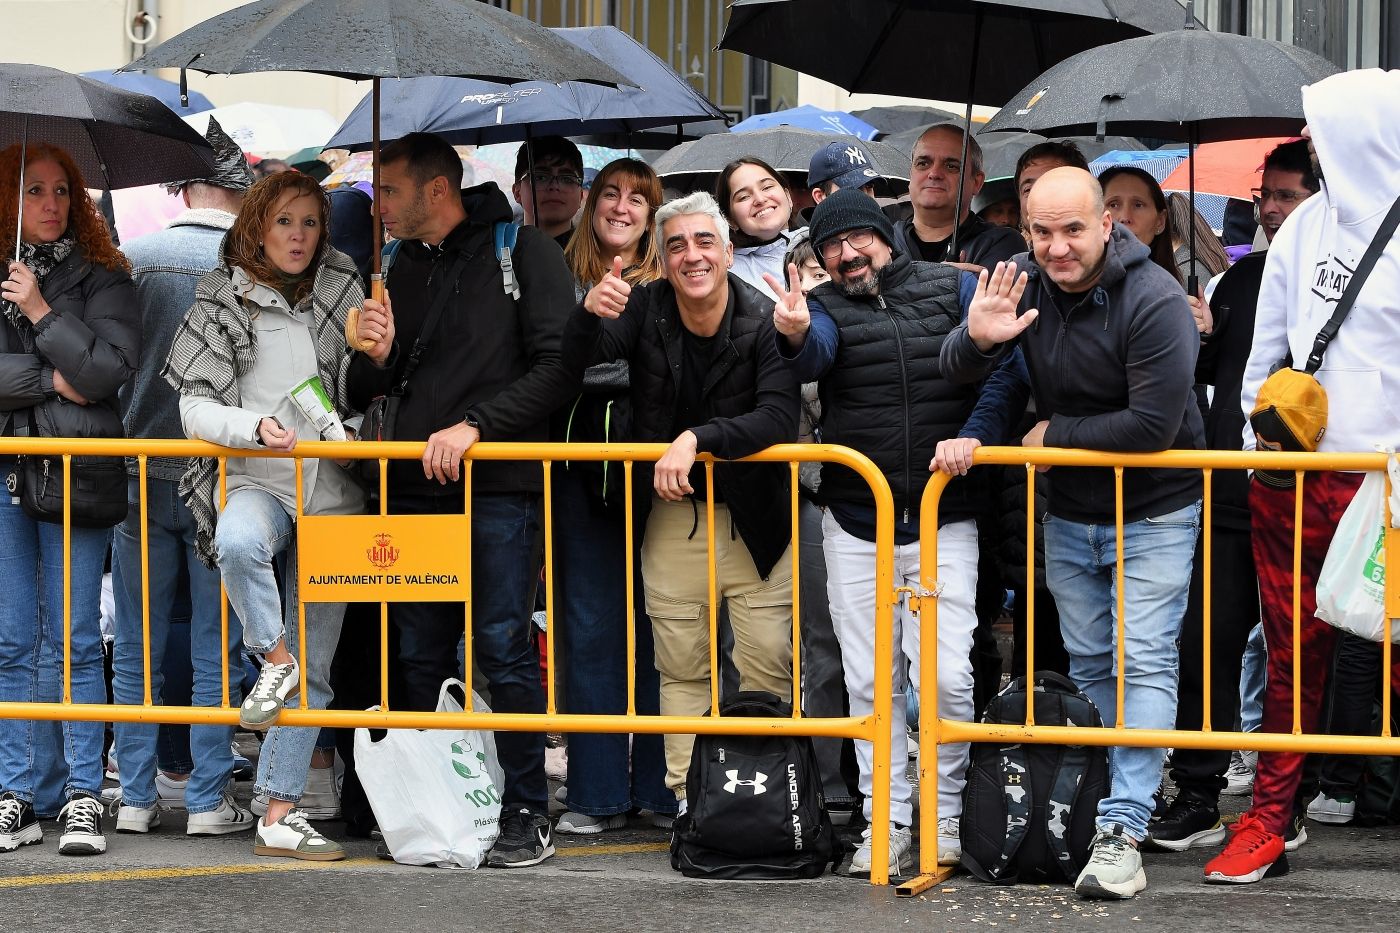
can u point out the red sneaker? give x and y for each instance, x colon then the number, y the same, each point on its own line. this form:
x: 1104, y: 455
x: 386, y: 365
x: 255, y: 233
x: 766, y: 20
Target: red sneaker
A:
x: 1252, y: 854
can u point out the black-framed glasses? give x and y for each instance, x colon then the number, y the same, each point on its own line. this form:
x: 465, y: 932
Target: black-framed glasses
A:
x: 859, y: 239
x: 563, y: 181
x: 1284, y: 196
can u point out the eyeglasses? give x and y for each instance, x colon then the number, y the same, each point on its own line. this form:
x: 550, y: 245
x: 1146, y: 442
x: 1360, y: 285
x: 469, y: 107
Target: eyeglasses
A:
x: 858, y: 239
x: 564, y: 181
x: 1283, y: 196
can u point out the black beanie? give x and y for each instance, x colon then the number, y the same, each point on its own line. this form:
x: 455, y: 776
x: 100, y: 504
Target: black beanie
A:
x: 848, y: 209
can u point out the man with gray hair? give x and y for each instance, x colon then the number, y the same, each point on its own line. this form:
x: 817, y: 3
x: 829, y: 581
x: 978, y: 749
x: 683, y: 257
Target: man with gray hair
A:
x: 165, y: 266
x: 706, y: 378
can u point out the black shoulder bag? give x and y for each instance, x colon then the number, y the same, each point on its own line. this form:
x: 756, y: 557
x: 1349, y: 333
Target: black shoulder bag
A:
x: 382, y: 415
x: 96, y: 485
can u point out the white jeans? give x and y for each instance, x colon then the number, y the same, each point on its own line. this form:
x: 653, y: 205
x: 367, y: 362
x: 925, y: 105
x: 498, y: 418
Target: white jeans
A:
x: 850, y: 586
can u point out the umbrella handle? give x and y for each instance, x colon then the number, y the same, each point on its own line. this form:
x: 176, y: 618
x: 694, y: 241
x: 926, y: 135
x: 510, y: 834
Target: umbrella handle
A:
x: 376, y: 287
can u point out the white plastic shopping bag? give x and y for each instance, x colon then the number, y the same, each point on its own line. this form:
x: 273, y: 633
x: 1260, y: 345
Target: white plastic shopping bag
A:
x: 1351, y: 586
x: 436, y: 793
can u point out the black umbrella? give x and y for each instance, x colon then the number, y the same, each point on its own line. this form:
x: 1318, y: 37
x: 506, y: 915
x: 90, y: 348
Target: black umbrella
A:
x: 466, y: 111
x: 786, y: 148
x: 118, y: 139
x: 1191, y: 85
x: 896, y: 120
x: 923, y: 46
x: 374, y: 39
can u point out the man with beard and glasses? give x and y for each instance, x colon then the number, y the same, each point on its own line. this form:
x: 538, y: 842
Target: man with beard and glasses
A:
x: 1112, y: 367
x: 870, y: 338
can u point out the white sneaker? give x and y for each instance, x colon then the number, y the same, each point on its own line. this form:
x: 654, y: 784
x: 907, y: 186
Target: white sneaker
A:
x: 556, y: 763
x: 321, y: 798
x: 276, y: 683
x: 137, y: 819
x: 170, y: 792
x: 228, y: 818
x: 1114, y: 869
x: 1337, y: 811
x: 949, y: 840
x: 293, y: 837
x: 581, y: 824
x: 901, y: 852
x: 1239, y: 779
x: 82, y: 827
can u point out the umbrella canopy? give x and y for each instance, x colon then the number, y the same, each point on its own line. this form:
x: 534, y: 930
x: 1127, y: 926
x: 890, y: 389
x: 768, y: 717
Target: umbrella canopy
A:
x: 1232, y: 168
x: 919, y: 46
x: 167, y: 92
x: 1165, y: 84
x: 268, y: 129
x: 897, y: 119
x: 811, y: 118
x: 118, y: 139
x: 361, y: 39
x: 471, y: 112
x: 786, y: 148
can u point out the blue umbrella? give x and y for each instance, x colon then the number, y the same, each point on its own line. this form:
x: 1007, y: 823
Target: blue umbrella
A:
x: 811, y: 118
x: 469, y: 112
x: 167, y: 92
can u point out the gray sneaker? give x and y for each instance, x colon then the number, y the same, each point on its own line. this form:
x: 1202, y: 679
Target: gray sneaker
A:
x: 276, y: 683
x: 1114, y: 869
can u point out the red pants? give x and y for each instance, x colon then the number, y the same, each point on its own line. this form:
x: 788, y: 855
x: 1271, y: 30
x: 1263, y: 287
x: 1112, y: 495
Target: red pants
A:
x: 1325, y: 498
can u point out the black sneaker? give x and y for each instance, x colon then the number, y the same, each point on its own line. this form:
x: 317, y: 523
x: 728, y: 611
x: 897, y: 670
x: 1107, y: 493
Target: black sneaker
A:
x: 1188, y: 822
x: 525, y: 840
x: 1295, y: 834
x: 18, y: 824
x: 82, y: 827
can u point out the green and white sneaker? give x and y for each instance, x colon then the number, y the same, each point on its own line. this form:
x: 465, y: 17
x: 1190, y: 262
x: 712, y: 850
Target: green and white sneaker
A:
x: 293, y: 837
x: 1114, y: 869
x: 276, y: 683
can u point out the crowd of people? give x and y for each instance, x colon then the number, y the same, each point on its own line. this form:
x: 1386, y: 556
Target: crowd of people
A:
x: 717, y: 324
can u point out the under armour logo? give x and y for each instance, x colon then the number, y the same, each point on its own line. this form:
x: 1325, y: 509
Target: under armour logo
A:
x: 758, y: 783
x: 855, y: 156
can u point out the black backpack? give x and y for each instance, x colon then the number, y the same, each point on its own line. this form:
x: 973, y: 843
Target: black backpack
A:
x: 1029, y: 809
x: 756, y: 806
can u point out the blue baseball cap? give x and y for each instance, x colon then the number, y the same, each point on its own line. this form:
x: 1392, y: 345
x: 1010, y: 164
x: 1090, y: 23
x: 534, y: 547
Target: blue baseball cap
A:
x: 849, y: 165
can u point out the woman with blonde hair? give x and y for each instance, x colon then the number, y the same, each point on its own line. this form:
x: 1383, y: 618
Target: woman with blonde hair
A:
x: 604, y: 781
x: 70, y: 334
x: 266, y: 322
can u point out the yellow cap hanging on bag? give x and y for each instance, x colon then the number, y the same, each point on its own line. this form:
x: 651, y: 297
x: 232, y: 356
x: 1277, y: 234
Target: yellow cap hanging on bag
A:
x: 1290, y: 412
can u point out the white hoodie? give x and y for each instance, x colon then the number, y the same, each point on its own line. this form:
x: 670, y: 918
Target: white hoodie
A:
x: 1354, y: 119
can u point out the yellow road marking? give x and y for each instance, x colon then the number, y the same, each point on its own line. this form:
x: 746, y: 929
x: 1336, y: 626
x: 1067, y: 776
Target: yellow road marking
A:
x: 208, y: 871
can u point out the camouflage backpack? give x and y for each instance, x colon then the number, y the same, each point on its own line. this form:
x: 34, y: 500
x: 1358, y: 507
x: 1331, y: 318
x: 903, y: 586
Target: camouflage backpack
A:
x: 1029, y: 809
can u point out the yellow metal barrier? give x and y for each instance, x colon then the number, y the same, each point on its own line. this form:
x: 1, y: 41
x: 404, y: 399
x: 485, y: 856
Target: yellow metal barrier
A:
x: 873, y: 728
x: 936, y: 731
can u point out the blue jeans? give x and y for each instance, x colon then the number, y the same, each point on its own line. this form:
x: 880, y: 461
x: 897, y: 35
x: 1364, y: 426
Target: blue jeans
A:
x: 254, y: 531
x: 171, y: 538
x: 590, y: 587
x: 1080, y: 570
x: 505, y: 568
x: 1252, y: 675
x: 31, y: 648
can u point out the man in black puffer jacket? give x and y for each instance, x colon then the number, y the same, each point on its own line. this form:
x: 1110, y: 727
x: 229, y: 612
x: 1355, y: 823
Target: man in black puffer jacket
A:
x: 706, y: 377
x: 870, y: 338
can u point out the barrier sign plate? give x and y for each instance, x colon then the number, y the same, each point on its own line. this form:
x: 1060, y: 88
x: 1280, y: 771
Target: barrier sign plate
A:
x: 383, y: 558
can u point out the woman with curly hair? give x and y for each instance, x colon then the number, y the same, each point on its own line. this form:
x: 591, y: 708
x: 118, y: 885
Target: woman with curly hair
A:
x: 264, y: 323
x: 604, y: 781
x: 70, y: 334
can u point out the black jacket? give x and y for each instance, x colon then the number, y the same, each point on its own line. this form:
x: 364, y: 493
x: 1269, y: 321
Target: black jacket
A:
x: 750, y: 399
x: 1112, y: 369
x: 885, y: 397
x: 979, y: 242
x: 1221, y: 364
x: 92, y: 335
x: 491, y: 356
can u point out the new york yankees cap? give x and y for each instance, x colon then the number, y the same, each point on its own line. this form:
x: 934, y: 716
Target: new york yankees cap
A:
x: 849, y: 165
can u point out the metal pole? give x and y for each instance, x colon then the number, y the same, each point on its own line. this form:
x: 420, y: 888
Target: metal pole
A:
x: 1192, y: 280
x: 952, y: 254
x: 376, y: 278
x: 23, y: 153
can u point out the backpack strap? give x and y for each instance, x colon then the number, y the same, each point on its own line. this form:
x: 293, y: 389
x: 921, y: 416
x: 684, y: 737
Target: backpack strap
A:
x: 504, y: 234
x: 387, y: 256
x: 1060, y: 807
x: 1358, y: 278
x: 1016, y: 789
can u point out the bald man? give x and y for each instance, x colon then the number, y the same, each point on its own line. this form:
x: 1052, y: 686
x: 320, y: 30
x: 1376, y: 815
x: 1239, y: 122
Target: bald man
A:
x: 1111, y: 367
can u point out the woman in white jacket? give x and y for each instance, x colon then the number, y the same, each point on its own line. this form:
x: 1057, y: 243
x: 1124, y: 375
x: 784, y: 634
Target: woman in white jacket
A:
x: 271, y: 317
